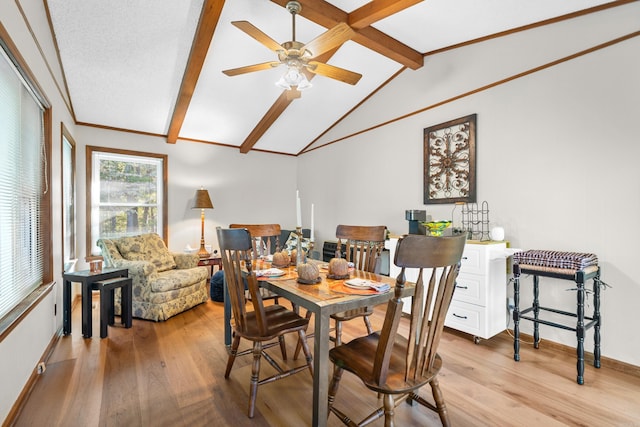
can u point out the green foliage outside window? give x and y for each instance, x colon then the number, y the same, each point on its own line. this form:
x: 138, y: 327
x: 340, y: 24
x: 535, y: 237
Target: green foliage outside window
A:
x: 128, y: 198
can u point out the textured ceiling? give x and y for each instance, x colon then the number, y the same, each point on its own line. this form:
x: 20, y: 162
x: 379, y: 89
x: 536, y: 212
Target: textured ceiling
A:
x: 124, y: 63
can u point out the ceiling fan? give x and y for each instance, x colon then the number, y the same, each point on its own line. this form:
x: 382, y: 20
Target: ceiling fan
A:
x: 298, y: 57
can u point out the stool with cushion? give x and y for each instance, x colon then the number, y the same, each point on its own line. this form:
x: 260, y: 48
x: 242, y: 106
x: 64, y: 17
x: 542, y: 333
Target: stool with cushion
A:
x: 573, y: 266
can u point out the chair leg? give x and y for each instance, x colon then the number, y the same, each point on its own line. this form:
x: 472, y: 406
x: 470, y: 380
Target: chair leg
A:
x: 367, y: 323
x: 389, y: 410
x: 439, y: 399
x: 299, y: 344
x: 283, y: 347
x: 255, y: 377
x: 302, y: 340
x: 339, y: 332
x: 232, y: 355
x: 333, y: 386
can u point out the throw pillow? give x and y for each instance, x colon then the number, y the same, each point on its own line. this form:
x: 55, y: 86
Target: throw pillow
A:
x: 146, y: 247
x: 292, y: 242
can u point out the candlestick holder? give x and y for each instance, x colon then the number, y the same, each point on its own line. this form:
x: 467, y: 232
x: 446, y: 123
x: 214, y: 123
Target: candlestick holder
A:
x: 299, y: 251
x: 310, y: 249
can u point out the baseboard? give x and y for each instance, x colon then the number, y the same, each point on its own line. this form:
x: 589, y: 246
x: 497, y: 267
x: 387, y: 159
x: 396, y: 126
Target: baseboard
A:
x: 616, y: 365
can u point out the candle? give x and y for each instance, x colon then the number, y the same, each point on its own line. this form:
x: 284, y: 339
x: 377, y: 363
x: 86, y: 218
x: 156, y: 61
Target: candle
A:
x: 298, y: 213
x: 311, y: 237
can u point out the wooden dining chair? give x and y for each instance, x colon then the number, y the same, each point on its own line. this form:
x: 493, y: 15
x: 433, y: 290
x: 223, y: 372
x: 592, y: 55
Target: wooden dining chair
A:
x: 263, y: 323
x: 362, y: 245
x: 262, y: 236
x: 395, y: 366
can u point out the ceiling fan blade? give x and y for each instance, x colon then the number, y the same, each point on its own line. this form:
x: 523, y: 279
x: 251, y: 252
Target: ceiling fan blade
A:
x: 333, y: 72
x: 329, y: 39
x: 257, y: 34
x: 252, y: 68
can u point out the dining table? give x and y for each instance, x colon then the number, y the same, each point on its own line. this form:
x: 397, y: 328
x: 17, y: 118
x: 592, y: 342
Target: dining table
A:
x: 324, y: 298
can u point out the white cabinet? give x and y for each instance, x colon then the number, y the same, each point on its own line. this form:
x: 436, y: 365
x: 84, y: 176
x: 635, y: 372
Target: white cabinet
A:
x: 479, y: 304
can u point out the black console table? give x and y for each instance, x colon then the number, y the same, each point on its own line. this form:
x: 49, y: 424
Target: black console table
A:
x: 86, y: 279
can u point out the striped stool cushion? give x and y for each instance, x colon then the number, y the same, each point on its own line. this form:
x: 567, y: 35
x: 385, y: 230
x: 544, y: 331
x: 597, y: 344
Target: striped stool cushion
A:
x: 556, y: 259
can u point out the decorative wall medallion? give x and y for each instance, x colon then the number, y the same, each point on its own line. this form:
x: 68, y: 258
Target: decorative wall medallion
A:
x: 450, y: 161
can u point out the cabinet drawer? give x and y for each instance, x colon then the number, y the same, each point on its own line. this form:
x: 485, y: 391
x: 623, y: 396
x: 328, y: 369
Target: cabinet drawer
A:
x: 471, y: 288
x: 473, y: 260
x: 466, y: 318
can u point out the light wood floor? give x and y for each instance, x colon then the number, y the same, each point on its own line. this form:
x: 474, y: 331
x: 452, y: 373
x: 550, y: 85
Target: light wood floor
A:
x: 172, y: 374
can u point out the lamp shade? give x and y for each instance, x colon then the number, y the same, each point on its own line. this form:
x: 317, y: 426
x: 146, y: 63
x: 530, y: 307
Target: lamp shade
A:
x: 202, y: 200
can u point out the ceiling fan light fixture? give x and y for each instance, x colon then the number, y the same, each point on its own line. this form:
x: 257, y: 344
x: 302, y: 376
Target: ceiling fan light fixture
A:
x: 294, y: 77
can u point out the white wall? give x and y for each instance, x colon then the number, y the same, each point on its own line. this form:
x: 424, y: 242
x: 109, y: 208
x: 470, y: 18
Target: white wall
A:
x: 22, y: 349
x: 557, y: 156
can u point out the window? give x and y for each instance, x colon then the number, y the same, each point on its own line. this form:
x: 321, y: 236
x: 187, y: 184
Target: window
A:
x: 25, y: 259
x: 127, y: 190
x: 68, y: 201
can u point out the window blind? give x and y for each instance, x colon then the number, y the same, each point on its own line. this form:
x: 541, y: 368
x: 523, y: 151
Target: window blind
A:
x: 21, y: 187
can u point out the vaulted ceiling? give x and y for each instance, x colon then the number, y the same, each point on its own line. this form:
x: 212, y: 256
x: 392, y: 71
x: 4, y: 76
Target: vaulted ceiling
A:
x: 155, y: 66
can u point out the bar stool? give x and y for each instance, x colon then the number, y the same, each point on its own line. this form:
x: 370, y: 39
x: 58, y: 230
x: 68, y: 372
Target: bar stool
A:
x: 577, y: 267
x: 107, y: 312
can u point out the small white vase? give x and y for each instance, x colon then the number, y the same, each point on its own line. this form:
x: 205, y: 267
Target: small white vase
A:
x: 497, y: 233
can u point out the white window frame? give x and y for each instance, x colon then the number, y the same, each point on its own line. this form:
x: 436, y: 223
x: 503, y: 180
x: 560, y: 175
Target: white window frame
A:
x: 69, y: 223
x: 97, y: 154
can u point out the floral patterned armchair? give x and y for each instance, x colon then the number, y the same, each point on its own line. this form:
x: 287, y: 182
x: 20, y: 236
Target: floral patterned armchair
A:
x: 164, y: 283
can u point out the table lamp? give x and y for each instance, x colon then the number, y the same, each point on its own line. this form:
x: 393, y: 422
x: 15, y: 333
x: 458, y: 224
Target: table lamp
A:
x: 202, y: 202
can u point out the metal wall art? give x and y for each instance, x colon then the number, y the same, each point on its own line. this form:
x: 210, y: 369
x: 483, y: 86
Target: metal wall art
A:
x: 450, y: 161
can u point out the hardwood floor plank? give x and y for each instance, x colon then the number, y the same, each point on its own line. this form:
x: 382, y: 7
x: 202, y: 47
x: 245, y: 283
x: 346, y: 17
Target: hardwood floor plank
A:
x: 172, y: 374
